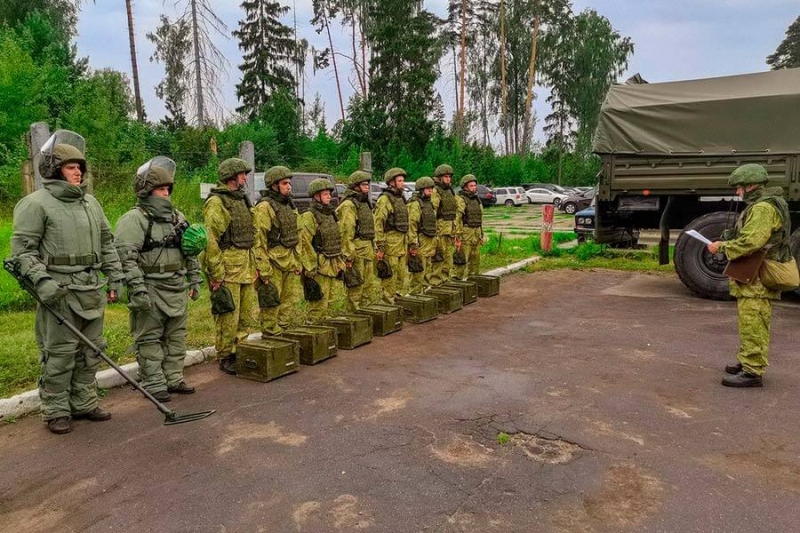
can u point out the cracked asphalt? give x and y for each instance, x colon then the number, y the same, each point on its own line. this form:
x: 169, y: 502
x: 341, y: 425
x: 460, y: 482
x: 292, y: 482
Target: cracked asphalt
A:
x: 605, y: 384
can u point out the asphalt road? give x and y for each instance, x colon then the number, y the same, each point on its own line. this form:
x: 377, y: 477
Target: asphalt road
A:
x: 607, y: 384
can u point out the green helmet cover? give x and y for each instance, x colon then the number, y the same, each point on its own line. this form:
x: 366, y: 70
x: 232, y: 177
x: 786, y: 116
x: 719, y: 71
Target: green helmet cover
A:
x: 230, y: 168
x: 468, y: 178
x: 359, y: 176
x: 392, y: 173
x: 424, y: 183
x: 748, y: 174
x: 441, y: 170
x: 194, y: 240
x: 275, y: 174
x: 319, y: 185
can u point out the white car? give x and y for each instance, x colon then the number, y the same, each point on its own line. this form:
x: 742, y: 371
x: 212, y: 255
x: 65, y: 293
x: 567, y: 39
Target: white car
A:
x: 511, y: 196
x: 544, y: 196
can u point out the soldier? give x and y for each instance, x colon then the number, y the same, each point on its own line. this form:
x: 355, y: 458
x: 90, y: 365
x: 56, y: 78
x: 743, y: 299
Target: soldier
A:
x: 357, y: 226
x: 277, y: 256
x: 62, y: 241
x: 470, y: 212
x: 391, y: 233
x: 421, y: 233
x: 448, y: 225
x: 229, y: 259
x: 321, y: 245
x: 158, y: 273
x: 764, y: 223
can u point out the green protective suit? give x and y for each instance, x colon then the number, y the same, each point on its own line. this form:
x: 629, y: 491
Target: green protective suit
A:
x: 394, y: 244
x: 155, y: 265
x: 323, y: 261
x: 425, y: 245
x: 277, y: 263
x: 760, y: 223
x: 234, y: 266
x: 447, y: 232
x: 471, y: 233
x: 354, y: 212
x: 63, y: 241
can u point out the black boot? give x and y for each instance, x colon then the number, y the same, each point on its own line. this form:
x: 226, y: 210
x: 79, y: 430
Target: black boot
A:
x: 95, y: 415
x: 162, y: 396
x: 59, y: 425
x: 182, y: 388
x: 733, y: 369
x: 228, y: 364
x: 742, y: 379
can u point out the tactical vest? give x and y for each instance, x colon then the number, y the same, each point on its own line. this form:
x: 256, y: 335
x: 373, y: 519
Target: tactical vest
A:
x: 284, y: 228
x: 473, y: 214
x: 241, y: 232
x: 427, y: 217
x: 447, y: 203
x: 778, y: 244
x: 398, y: 218
x: 327, y: 240
x: 365, y: 222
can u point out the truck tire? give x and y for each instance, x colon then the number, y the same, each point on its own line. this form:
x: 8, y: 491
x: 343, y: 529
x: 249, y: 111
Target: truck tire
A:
x: 794, y: 245
x: 696, y: 267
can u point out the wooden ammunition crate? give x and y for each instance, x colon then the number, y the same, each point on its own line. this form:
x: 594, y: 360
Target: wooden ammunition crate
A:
x: 469, y: 290
x: 386, y: 318
x: 450, y: 298
x: 487, y: 285
x: 353, y: 330
x: 417, y: 308
x: 267, y: 359
x: 317, y: 343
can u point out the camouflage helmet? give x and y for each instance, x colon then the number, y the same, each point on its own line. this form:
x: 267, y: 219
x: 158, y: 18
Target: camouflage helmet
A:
x: 319, y: 185
x: 749, y: 174
x: 424, y: 183
x: 157, y: 172
x: 63, y: 146
x: 392, y: 173
x: 358, y: 177
x: 442, y: 170
x: 232, y: 167
x: 467, y: 179
x: 275, y: 174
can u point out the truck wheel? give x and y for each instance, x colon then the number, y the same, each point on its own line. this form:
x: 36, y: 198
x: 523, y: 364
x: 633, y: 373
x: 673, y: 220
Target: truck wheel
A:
x: 697, y: 268
x: 794, y: 245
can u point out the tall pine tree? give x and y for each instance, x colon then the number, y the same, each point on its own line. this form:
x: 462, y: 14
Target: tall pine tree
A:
x: 787, y: 55
x: 173, y: 42
x: 268, y: 51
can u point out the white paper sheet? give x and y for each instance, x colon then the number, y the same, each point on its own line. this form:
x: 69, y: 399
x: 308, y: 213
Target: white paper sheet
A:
x: 697, y: 235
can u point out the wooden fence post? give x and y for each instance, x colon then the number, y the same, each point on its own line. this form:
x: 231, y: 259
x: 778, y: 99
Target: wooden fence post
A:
x: 546, y: 238
x: 247, y: 151
x: 366, y: 162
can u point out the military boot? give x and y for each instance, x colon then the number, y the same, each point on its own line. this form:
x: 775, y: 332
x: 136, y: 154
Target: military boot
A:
x: 59, y: 425
x: 182, y: 388
x: 95, y: 415
x: 228, y: 364
x: 733, y: 369
x: 742, y: 379
x: 162, y: 396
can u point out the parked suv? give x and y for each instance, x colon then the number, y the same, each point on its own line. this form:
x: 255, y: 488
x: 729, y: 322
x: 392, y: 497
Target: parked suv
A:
x: 487, y: 195
x: 300, y: 183
x: 511, y: 196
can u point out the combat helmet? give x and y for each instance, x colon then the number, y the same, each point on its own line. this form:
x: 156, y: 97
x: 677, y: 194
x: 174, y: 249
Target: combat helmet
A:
x: 441, y: 170
x: 275, y: 174
x: 63, y: 146
x: 231, y: 167
x: 748, y: 174
x: 424, y: 183
x: 467, y: 179
x: 392, y: 173
x: 319, y: 185
x: 156, y: 173
x: 358, y: 177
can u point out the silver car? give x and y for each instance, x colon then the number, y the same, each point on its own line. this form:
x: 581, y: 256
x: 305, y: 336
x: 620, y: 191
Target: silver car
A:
x: 511, y: 196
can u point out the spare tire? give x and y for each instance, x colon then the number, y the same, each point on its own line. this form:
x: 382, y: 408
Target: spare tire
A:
x: 697, y: 268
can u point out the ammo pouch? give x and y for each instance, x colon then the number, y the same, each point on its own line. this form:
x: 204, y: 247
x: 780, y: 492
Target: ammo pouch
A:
x: 459, y: 257
x: 352, y: 277
x: 415, y: 265
x: 384, y: 270
x: 438, y: 257
x: 312, y: 292
x: 268, y: 296
x: 222, y: 301
x: 779, y: 276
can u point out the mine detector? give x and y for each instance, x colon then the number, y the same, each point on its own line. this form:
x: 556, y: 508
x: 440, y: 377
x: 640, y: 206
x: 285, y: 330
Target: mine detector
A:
x: 667, y: 150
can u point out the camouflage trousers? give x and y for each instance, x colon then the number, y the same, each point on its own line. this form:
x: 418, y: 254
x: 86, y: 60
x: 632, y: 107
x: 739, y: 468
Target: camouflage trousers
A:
x: 754, y: 319
x: 442, y: 271
x: 67, y: 384
x: 472, y: 251
x: 233, y: 327
x: 396, y: 285
x: 320, y: 310
x: 358, y: 297
x: 420, y: 281
x: 160, y: 343
x: 276, y: 319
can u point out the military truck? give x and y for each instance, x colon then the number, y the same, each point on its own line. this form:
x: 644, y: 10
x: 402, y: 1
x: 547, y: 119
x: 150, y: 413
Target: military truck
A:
x: 667, y: 150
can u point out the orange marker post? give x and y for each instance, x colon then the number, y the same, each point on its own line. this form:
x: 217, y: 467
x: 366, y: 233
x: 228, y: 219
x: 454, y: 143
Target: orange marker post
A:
x: 547, y: 227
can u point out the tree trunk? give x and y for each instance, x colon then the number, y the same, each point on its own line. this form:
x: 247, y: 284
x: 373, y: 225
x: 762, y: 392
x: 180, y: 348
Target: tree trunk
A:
x: 463, y: 68
x: 503, y: 88
x: 137, y: 95
x: 335, y: 67
x: 526, y: 128
x: 201, y: 119
x: 360, y: 70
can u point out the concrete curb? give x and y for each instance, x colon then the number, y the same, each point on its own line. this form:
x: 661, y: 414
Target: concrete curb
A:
x: 28, y: 402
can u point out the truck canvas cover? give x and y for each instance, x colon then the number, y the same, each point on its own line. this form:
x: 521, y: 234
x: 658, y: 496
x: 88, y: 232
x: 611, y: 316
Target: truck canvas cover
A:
x: 732, y: 114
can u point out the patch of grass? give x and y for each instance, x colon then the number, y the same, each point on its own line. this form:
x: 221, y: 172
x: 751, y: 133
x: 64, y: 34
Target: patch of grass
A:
x: 589, y: 256
x: 503, y: 438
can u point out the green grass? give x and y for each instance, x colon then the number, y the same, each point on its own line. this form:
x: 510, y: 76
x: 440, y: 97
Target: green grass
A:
x: 503, y: 438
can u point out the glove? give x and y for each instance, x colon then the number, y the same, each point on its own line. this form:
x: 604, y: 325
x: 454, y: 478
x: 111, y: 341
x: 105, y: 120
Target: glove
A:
x: 50, y: 291
x: 194, y: 292
x: 139, y: 301
x: 114, y: 291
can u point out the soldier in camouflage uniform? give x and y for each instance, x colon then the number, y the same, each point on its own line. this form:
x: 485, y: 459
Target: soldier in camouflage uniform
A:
x: 422, y: 233
x: 62, y: 241
x: 764, y: 223
x: 158, y: 275
x: 391, y: 233
x: 448, y: 225
x: 321, y: 247
x: 470, y: 213
x: 357, y: 226
x: 229, y: 258
x: 277, y: 253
